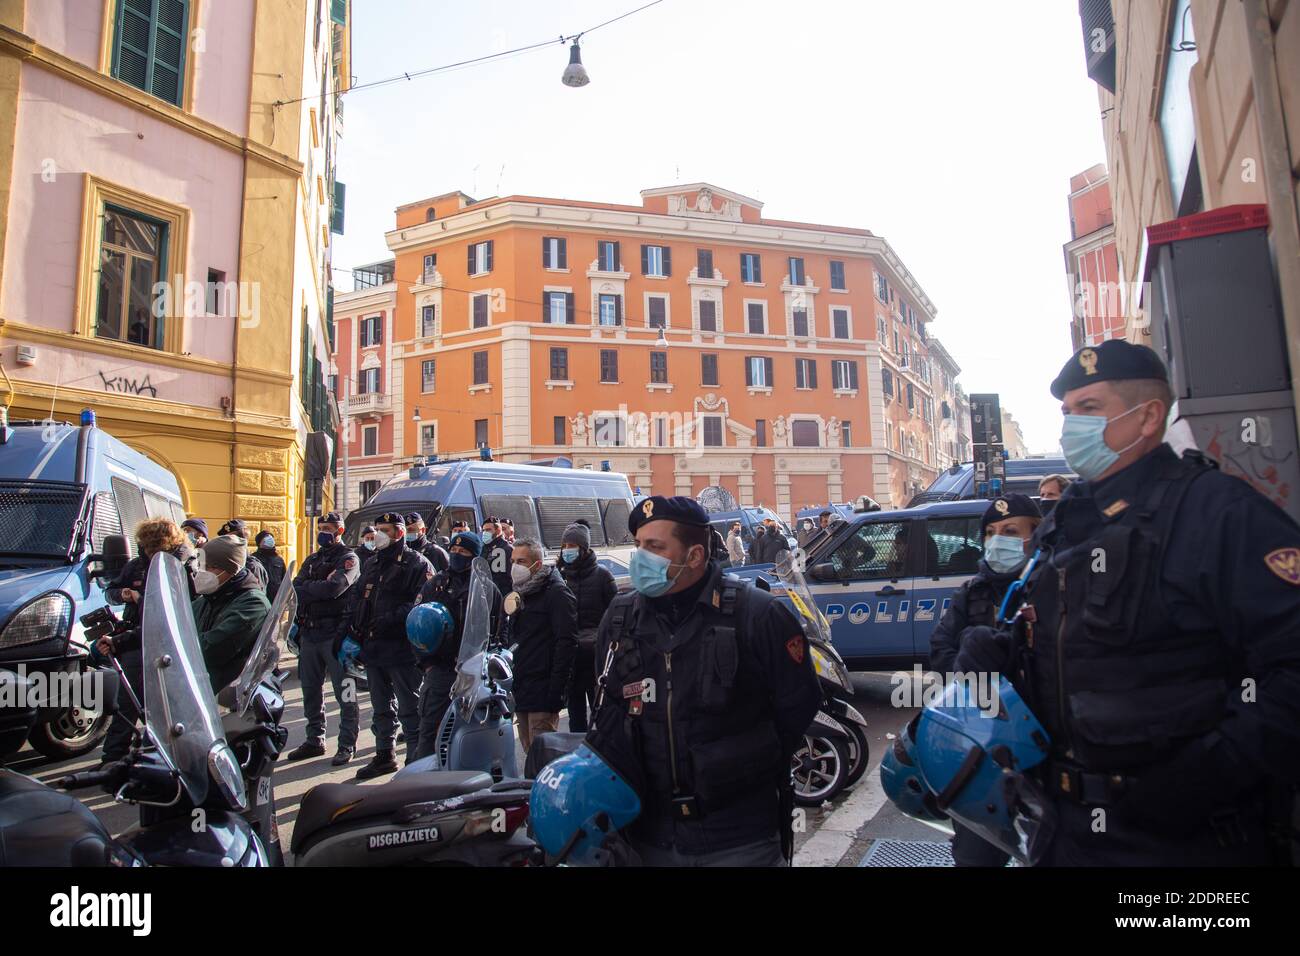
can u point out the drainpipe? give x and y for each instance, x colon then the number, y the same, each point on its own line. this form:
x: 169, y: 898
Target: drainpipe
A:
x: 1279, y: 184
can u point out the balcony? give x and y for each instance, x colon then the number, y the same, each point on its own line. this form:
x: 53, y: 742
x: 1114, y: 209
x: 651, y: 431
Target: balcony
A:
x: 368, y: 403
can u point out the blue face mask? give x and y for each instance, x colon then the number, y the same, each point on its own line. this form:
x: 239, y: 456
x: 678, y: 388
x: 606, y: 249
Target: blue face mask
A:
x: 458, y: 562
x: 369, y: 543
x: 1083, y: 440
x: 1003, y: 553
x: 649, y: 572
x: 324, y: 538
x: 487, y: 537
x: 569, y: 555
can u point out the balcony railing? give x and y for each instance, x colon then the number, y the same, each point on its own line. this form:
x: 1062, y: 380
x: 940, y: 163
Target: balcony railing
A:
x: 368, y: 403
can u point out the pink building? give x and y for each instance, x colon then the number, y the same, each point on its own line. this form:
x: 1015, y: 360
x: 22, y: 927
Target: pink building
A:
x: 1098, y: 296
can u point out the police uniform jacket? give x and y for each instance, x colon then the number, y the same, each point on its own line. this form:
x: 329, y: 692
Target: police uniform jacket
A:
x: 975, y: 602
x: 451, y: 590
x: 322, y: 585
x: 387, y: 590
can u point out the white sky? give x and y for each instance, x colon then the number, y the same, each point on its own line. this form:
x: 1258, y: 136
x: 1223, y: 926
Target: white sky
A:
x: 950, y: 128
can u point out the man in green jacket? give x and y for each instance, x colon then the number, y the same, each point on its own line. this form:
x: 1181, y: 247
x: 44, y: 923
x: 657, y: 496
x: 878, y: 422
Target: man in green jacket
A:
x: 229, y: 609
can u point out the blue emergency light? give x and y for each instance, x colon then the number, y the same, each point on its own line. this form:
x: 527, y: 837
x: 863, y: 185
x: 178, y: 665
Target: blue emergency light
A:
x: 87, y: 417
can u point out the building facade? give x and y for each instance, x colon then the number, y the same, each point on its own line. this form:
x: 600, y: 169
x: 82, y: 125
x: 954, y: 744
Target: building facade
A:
x: 165, y: 220
x: 687, y: 341
x: 952, y: 445
x: 1013, y: 438
x: 1091, y: 263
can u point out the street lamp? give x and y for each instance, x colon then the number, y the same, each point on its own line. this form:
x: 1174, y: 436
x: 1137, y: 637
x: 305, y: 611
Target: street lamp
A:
x: 575, y: 74
x: 415, y: 416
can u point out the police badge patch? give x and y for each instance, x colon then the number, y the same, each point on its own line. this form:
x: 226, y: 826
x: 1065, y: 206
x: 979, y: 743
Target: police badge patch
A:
x: 1285, y: 563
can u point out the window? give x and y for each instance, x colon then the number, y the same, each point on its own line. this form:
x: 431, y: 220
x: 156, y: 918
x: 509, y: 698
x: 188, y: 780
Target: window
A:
x: 480, y: 258
x: 882, y: 331
x: 430, y: 215
x: 132, y: 258
x: 555, y: 253
x: 887, y: 384
x: 708, y: 368
x: 428, y: 377
x: 954, y: 546
x: 837, y: 276
x: 480, y: 368
x: 659, y: 368
x: 758, y: 371
x: 149, y: 47
x: 708, y: 315
x: 368, y: 381
x: 656, y: 261
x: 805, y: 433
x: 430, y: 266
x: 372, y: 331
x: 661, y: 432
x: 805, y: 373
x: 609, y: 366
x: 844, y: 374
x: 911, y: 398
x: 751, y: 267
x: 559, y: 433
x: 877, y: 550
x: 557, y: 308
x: 657, y: 312
x: 760, y: 433
x: 428, y: 440
x: 898, y: 348
x: 428, y: 321
x: 611, y: 309
x: 480, y: 310
x: 212, y: 298
x: 882, y: 288
x: 799, y: 319
x: 756, y: 314
x: 796, y: 271
x: 481, y: 431
x: 559, y: 365
x: 704, y: 263
x: 607, y: 254
x: 711, y: 431
x: 368, y: 489
x: 369, y: 441
x: 846, y: 434
x: 840, y: 323
x: 610, y: 430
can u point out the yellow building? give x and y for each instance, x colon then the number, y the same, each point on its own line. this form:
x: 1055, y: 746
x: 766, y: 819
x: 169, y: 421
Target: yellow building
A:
x: 166, y: 202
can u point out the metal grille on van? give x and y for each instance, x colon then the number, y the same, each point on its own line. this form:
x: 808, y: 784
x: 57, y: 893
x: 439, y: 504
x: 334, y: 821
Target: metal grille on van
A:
x: 616, y: 511
x: 130, y: 506
x: 37, y: 517
x: 558, y: 513
x: 104, y: 521
x: 518, y: 508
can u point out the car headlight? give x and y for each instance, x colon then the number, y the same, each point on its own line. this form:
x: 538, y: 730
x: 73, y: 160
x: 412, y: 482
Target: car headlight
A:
x: 224, y: 769
x: 827, y: 668
x: 46, y: 618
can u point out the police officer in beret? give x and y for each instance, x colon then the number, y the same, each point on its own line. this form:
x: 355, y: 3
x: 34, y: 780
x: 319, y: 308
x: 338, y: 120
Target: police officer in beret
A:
x: 416, y: 540
x: 704, y: 687
x: 1159, y: 642
x: 389, y: 587
x: 323, y: 585
x: 1006, y: 528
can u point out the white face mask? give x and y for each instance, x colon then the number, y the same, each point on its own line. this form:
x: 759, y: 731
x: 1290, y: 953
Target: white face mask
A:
x: 205, y: 582
x: 382, y: 540
x: 519, y: 574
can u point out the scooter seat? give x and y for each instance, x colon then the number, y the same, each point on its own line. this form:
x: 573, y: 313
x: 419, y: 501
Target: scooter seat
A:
x: 329, y: 803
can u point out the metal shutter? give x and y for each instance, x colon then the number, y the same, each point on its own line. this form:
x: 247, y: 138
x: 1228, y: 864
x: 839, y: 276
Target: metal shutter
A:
x: 558, y: 513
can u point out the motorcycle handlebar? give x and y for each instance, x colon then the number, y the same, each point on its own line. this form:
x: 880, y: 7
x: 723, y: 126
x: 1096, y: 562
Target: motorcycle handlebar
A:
x: 113, y: 773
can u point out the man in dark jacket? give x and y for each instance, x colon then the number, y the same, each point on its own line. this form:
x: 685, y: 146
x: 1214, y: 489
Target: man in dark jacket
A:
x: 496, y: 551
x: 239, y: 529
x: 416, y: 540
x: 229, y: 610
x: 543, y: 624
x: 773, y: 543
x: 1006, y: 527
x: 593, y: 589
x: 449, y: 588
x: 389, y: 587
x: 270, y: 559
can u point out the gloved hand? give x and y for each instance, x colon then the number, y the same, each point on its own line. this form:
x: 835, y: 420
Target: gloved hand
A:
x: 349, y: 652
x: 983, y: 650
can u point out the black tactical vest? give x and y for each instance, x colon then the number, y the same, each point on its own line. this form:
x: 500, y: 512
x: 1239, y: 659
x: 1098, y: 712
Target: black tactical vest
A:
x: 327, y: 615
x: 1115, y: 683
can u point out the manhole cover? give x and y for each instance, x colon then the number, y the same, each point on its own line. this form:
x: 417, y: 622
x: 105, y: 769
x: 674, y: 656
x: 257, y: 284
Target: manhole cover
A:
x: 908, y: 853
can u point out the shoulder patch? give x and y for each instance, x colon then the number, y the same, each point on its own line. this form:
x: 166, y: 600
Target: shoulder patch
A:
x: 350, y: 563
x: 1285, y: 563
x: 795, y: 648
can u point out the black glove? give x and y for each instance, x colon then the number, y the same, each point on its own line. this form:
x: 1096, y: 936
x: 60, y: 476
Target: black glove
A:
x: 983, y: 650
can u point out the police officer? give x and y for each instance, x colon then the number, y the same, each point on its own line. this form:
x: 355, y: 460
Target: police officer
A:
x: 497, y: 551
x: 323, y: 585
x: 705, y: 687
x: 367, y: 549
x: 1160, y: 639
x: 271, y: 561
x: 389, y: 587
x: 1006, y: 528
x: 450, y: 588
x: 417, y: 541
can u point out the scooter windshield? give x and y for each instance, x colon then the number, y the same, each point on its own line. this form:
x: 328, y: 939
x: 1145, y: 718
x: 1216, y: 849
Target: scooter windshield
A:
x: 474, y: 636
x: 180, y: 709
x: 815, y: 625
x: 266, y: 649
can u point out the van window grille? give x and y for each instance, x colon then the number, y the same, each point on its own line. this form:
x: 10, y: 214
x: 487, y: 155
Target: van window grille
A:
x: 558, y: 513
x: 37, y: 517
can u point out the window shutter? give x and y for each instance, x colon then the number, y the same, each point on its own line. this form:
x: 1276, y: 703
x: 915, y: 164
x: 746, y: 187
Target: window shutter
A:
x: 169, y: 50
x: 470, y: 267
x: 767, y: 368
x: 546, y: 246
x: 568, y: 308
x: 618, y: 309
x: 489, y: 255
x: 562, y: 246
x: 812, y: 373
x: 668, y: 261
x: 339, y: 11
x: 853, y: 375
x: 645, y: 260
x: 758, y: 269
x: 749, y: 371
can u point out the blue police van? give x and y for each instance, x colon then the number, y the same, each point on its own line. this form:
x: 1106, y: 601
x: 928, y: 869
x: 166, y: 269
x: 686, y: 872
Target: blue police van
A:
x: 70, y: 499
x: 885, y: 578
x: 1022, y: 477
x: 541, y: 500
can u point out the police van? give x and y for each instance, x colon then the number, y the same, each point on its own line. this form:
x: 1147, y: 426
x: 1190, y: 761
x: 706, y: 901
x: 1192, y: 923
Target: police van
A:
x: 1022, y: 477
x: 885, y: 578
x: 541, y: 500
x: 70, y: 499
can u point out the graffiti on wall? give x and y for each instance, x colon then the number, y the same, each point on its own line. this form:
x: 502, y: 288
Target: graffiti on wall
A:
x: 129, y: 386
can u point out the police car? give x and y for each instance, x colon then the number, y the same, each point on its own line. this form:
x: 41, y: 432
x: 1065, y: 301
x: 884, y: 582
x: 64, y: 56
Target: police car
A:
x: 884, y: 579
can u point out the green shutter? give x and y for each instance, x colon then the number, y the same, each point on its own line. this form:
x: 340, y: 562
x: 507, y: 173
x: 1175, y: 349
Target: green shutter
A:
x: 339, y: 12
x: 149, y: 48
x: 329, y: 315
x: 336, y: 216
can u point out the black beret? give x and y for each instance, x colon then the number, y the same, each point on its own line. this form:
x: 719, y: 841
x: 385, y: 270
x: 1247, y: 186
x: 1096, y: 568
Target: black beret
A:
x: 1112, y: 361
x: 332, y: 517
x: 198, y: 524
x: 1009, y: 506
x: 678, y: 508
x: 413, y: 517
x: 391, y: 517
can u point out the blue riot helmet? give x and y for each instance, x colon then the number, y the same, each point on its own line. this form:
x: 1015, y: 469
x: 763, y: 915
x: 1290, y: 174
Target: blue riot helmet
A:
x: 973, y: 754
x: 428, y: 625
x: 901, y: 778
x: 578, y: 803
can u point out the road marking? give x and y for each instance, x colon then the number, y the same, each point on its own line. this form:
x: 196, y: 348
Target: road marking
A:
x: 836, y: 836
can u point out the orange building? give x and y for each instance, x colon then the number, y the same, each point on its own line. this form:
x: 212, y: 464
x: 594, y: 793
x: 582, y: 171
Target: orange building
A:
x: 1098, y: 296
x: 687, y: 342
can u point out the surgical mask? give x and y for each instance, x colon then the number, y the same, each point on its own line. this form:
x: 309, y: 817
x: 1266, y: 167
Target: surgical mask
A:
x: 412, y: 536
x: 519, y: 574
x: 458, y: 562
x: 369, y: 543
x: 569, y: 555
x: 649, y: 572
x: 382, y: 540
x: 1004, y: 553
x: 1083, y: 440
x: 268, y: 543
x: 205, y: 582
x: 324, y: 538
x: 487, y: 537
